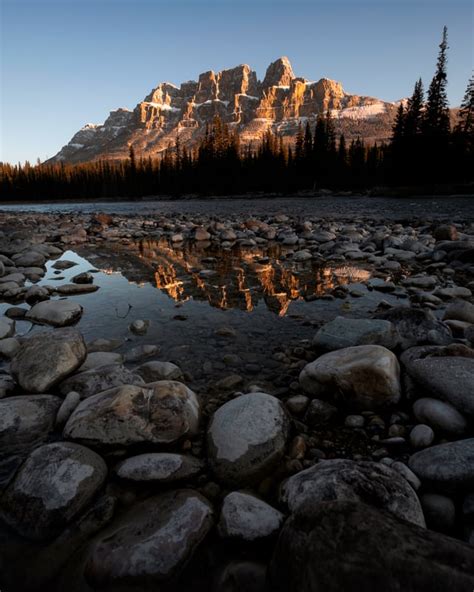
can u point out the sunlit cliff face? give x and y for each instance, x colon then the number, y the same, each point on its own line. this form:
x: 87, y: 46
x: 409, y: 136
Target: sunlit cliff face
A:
x: 243, y: 277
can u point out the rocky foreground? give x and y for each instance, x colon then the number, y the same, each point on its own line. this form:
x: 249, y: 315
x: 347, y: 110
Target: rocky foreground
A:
x: 359, y: 475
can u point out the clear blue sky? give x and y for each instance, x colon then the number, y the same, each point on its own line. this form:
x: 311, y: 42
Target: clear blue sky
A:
x: 66, y: 63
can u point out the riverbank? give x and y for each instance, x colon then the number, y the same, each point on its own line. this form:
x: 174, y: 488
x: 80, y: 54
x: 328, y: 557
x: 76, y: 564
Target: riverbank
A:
x: 319, y: 404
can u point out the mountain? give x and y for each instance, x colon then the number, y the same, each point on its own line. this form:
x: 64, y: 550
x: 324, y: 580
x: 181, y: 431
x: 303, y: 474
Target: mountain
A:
x: 280, y: 102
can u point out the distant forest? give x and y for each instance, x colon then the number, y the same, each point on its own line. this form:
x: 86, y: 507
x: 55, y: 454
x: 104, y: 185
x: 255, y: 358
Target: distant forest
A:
x: 425, y: 151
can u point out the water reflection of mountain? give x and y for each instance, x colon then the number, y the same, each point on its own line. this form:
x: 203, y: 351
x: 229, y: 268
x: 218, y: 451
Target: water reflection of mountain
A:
x: 237, y: 278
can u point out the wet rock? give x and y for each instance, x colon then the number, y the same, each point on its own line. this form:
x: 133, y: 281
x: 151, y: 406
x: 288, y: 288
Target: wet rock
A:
x: 99, y: 379
x: 160, y: 413
x: 151, y: 543
x: 7, y: 327
x: 446, y: 467
x: 63, y: 264
x: 245, y: 517
x: 83, y: 278
x: 57, y: 313
x: 361, y: 377
x: 247, y: 437
x: 71, y: 289
x: 161, y: 467
x: 46, y: 358
x: 36, y: 294
x: 53, y: 486
x: 103, y: 345
x: 339, y: 546
x: 29, y: 259
x: 153, y: 371
x: 297, y: 404
x: 139, y: 327
x: 443, y: 374
x: 346, y: 480
x: 25, y: 421
x: 141, y: 352
x: 440, y: 416
x: 453, y: 292
x: 343, y: 332
x: 417, y: 326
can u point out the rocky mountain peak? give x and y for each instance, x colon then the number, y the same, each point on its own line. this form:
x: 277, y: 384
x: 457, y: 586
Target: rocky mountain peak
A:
x: 279, y: 73
x: 280, y: 103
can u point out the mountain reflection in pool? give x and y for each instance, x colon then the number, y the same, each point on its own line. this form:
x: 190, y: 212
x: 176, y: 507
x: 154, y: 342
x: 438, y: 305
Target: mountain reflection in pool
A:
x: 240, y: 277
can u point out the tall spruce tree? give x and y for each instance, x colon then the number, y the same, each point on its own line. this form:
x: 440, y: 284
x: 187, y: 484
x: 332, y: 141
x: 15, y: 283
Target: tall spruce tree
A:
x: 465, y: 123
x: 436, y: 117
x: 414, y: 112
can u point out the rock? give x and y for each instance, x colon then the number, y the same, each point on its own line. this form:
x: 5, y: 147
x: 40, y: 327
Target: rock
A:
x: 9, y: 347
x: 361, y: 377
x: 53, y: 486
x: 297, y: 404
x: 440, y: 416
x: 444, y: 376
x: 7, y: 327
x: 71, y: 401
x: 345, y: 546
x: 460, y: 310
x: 247, y: 437
x: 343, y: 332
x: 407, y: 473
x: 151, y: 543
x: 36, y: 294
x: 95, y: 360
x: 453, y: 292
x: 247, y: 518
x: 421, y: 436
x: 103, y: 345
x: 241, y: 576
x: 347, y: 480
x: 83, y: 278
x: 319, y: 413
x: 63, y: 264
x: 15, y: 312
x: 417, y: 326
x: 162, y: 467
x: 447, y: 232
x: 354, y: 421
x: 29, y: 259
x: 25, y: 421
x: 57, y: 313
x: 46, y: 358
x: 153, y: 371
x: 71, y: 289
x: 201, y: 234
x: 439, y: 511
x: 139, y: 327
x: 99, y: 379
x: 160, y: 413
x: 446, y: 467
x: 141, y: 352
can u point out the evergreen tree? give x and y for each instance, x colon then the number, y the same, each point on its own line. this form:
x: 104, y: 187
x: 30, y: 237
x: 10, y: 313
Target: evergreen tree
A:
x: 414, y: 113
x: 465, y: 123
x: 436, y: 118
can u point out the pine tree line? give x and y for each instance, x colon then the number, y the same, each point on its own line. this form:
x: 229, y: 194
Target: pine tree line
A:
x: 423, y: 151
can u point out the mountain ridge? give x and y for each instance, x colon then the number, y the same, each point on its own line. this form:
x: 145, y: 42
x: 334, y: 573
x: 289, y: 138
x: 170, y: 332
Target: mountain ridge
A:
x: 280, y: 103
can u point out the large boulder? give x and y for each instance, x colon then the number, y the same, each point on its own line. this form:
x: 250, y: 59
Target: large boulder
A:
x: 361, y: 377
x: 93, y: 381
x: 46, y: 358
x: 53, y: 486
x: 57, y: 313
x: 417, y: 326
x: 446, y: 373
x: 151, y: 543
x: 160, y: 413
x: 446, y: 467
x: 247, y: 437
x: 347, y: 546
x: 347, y: 480
x: 26, y: 420
x: 245, y: 517
x: 343, y: 332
